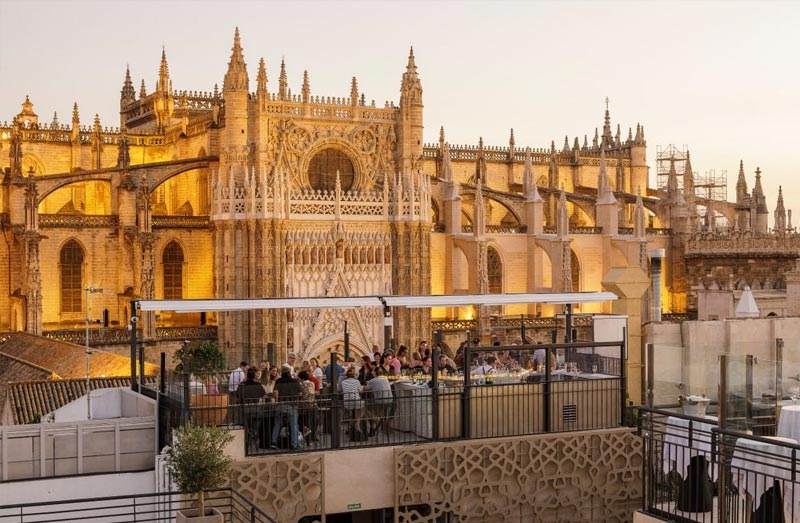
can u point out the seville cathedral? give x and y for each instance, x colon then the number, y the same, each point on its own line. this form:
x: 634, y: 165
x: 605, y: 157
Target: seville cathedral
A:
x: 254, y: 190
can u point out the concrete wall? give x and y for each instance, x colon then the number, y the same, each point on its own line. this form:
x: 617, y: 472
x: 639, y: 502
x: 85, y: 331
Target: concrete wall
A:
x: 58, y: 489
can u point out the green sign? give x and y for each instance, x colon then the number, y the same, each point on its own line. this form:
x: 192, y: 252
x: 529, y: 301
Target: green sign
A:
x: 354, y: 506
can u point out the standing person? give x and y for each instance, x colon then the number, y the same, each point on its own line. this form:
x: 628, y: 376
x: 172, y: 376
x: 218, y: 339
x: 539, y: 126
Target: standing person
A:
x: 329, y: 372
x: 237, y: 377
x: 316, y: 370
x: 291, y: 361
x: 306, y: 366
x: 287, y: 393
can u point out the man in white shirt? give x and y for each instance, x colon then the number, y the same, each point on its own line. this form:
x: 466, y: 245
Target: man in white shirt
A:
x: 291, y: 360
x: 486, y: 368
x: 236, y: 378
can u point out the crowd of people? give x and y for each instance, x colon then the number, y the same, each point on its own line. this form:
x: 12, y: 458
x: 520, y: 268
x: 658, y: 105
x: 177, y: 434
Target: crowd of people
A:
x: 365, y: 384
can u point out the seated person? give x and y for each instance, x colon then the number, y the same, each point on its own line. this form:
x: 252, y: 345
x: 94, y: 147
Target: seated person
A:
x: 287, y: 393
x: 487, y: 368
x: 366, y: 372
x: 446, y: 365
x: 351, y: 394
x: 379, y: 388
x: 250, y: 390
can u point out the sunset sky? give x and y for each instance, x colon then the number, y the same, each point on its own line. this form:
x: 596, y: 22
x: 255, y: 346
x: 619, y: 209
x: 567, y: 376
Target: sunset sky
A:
x: 719, y: 77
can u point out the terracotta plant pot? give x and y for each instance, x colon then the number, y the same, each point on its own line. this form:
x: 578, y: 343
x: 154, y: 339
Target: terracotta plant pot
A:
x: 190, y: 516
x: 210, y: 409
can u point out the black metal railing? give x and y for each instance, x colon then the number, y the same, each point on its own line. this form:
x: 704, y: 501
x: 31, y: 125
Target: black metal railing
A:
x: 159, y: 506
x: 538, y: 389
x: 694, y: 470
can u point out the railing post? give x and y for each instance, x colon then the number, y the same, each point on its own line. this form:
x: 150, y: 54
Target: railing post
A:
x: 748, y: 388
x: 187, y: 399
x: 718, y: 448
x: 335, y: 404
x: 548, y: 359
x: 623, y: 382
x: 252, y: 514
x: 778, y: 371
x: 435, y: 394
x: 465, y: 396
x: 132, y: 326
x: 649, y: 372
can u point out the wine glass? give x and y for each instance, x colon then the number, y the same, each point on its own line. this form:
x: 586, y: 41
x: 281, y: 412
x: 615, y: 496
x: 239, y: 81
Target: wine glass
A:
x: 794, y: 394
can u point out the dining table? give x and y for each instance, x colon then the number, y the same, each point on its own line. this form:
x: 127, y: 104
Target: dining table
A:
x: 758, y: 465
x: 684, y: 439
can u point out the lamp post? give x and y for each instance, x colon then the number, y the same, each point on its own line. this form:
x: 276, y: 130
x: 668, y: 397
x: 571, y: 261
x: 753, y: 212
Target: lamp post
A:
x: 89, y: 290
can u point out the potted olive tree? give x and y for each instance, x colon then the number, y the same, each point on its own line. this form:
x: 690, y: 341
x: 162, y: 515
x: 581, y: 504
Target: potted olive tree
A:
x: 209, y: 405
x: 196, y: 463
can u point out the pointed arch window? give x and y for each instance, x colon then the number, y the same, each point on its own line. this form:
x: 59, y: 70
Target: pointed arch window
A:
x: 172, y: 260
x: 322, y: 170
x: 71, y: 261
x: 494, y: 267
x: 575, y: 265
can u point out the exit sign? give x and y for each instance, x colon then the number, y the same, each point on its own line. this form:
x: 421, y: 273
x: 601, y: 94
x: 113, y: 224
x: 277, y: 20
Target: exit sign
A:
x: 354, y: 506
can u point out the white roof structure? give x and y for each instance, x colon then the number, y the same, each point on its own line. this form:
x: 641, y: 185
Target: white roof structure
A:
x: 747, y: 307
x: 350, y: 302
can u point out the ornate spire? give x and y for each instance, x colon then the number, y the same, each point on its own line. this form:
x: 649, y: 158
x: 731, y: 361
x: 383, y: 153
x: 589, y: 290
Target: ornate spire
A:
x: 758, y: 193
x: 283, y: 84
x: 441, y: 136
x: 142, y: 90
x: 163, y: 73
x: 410, y: 87
x: 741, y: 185
x: 674, y: 194
x: 480, y: 163
x: 479, y: 223
x: 562, y: 223
x: 123, y: 151
x: 261, y: 80
x: 354, y: 92
x: 236, y: 78
x: 630, y: 137
x: 528, y: 183
x: 447, y: 166
x: 54, y: 123
x: 15, y: 152
x: 552, y: 172
x: 780, y: 213
x: 608, y: 139
x: 711, y: 218
x: 511, y: 142
x: 605, y: 196
x: 76, y: 118
x: 638, y: 216
x: 565, y: 149
x: 617, y: 137
x: 128, y: 93
x: 306, y: 91
x: 596, y: 139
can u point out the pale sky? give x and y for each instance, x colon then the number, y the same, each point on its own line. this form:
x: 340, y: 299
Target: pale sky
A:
x: 719, y: 77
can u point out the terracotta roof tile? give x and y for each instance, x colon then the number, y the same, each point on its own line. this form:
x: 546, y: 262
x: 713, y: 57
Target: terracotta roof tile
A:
x: 66, y: 360
x: 30, y: 400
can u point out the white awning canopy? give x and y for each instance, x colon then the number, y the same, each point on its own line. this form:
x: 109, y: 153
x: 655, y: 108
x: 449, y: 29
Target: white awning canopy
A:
x: 335, y: 302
